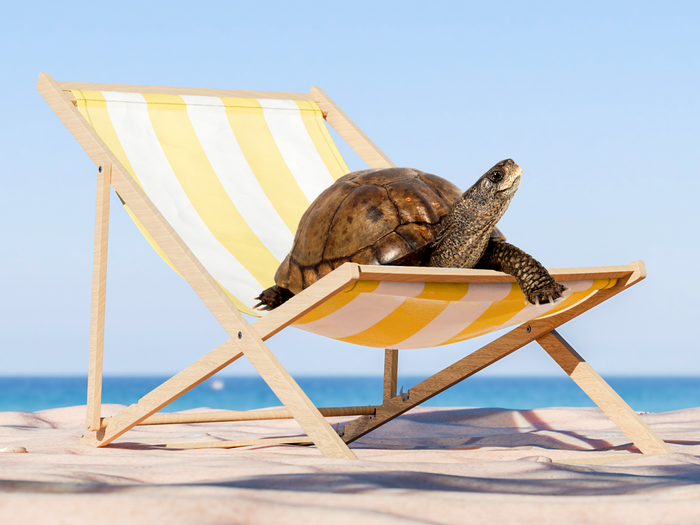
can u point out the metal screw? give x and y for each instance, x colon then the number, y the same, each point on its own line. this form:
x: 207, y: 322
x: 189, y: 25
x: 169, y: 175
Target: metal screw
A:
x: 241, y: 335
x: 528, y: 329
x: 99, y: 170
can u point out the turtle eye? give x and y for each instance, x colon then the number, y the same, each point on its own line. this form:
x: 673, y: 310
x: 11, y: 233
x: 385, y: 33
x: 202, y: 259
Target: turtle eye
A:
x: 497, y: 176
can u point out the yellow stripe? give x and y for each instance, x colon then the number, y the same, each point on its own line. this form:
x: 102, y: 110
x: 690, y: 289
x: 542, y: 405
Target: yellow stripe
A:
x: 168, y: 115
x: 264, y: 158
x: 93, y: 106
x: 495, y: 316
x: 412, y: 316
x: 312, y: 117
x: 336, y: 302
x: 444, y: 291
x: 577, y: 297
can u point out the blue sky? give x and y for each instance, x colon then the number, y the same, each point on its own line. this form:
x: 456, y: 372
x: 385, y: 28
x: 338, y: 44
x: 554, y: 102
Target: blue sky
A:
x: 598, y: 102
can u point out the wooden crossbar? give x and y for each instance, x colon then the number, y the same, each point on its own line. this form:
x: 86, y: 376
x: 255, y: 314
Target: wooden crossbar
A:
x: 249, y: 415
x: 297, y: 440
x: 424, y: 274
x: 66, y: 87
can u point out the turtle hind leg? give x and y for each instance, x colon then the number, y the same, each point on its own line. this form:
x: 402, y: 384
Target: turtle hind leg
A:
x: 534, y: 280
x: 272, y: 298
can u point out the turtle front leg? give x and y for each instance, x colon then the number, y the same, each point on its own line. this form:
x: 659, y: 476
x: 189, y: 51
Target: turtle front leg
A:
x: 272, y: 298
x: 533, y: 278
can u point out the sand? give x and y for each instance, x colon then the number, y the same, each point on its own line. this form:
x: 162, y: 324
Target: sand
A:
x: 432, y: 465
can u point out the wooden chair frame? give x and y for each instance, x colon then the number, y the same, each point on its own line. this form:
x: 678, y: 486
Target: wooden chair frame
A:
x: 249, y: 339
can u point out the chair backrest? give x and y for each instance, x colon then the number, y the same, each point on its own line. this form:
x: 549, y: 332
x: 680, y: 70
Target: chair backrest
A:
x: 232, y: 176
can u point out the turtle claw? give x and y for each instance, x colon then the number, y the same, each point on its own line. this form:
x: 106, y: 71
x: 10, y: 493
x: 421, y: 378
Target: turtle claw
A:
x: 257, y: 306
x: 261, y: 303
x: 549, y: 294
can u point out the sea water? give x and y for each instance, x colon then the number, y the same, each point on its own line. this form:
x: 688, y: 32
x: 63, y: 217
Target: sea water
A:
x: 646, y: 394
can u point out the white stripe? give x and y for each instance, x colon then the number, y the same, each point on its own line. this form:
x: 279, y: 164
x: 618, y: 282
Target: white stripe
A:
x: 399, y: 289
x: 210, y: 122
x: 129, y: 115
x: 357, y: 316
x: 578, y: 286
x: 284, y: 119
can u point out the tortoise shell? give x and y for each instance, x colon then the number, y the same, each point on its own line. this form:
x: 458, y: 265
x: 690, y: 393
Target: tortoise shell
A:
x: 377, y: 216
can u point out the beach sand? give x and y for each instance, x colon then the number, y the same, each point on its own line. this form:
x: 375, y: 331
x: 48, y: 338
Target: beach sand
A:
x: 432, y: 465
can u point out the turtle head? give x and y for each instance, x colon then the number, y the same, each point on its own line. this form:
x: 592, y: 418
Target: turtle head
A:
x: 468, y: 226
x: 490, y: 196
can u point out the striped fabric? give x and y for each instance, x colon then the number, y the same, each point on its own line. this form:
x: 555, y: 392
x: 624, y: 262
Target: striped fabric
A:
x: 407, y: 315
x: 232, y: 176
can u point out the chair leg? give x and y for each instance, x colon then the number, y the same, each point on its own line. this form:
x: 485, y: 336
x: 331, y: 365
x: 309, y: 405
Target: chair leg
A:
x: 295, y: 399
x: 603, y: 395
x: 99, y: 287
x: 269, y: 368
x: 439, y: 382
x: 478, y: 360
x: 161, y: 396
x: 391, y: 368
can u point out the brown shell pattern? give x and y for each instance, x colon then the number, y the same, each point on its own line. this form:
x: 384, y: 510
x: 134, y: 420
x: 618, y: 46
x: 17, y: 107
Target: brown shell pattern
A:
x: 374, y: 216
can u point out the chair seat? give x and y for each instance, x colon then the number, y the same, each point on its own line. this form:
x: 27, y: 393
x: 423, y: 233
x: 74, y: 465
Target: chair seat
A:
x: 405, y: 315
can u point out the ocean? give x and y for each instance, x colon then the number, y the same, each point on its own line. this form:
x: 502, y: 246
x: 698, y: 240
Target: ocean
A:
x: 644, y: 394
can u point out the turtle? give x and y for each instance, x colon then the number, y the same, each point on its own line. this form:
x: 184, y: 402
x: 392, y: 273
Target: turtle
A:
x: 406, y: 217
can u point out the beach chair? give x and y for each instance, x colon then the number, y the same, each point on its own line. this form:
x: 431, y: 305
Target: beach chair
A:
x: 217, y: 181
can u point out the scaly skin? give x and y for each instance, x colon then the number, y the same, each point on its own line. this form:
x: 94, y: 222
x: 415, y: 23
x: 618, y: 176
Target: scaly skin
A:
x: 467, y: 227
x: 534, y: 280
x: 462, y: 240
